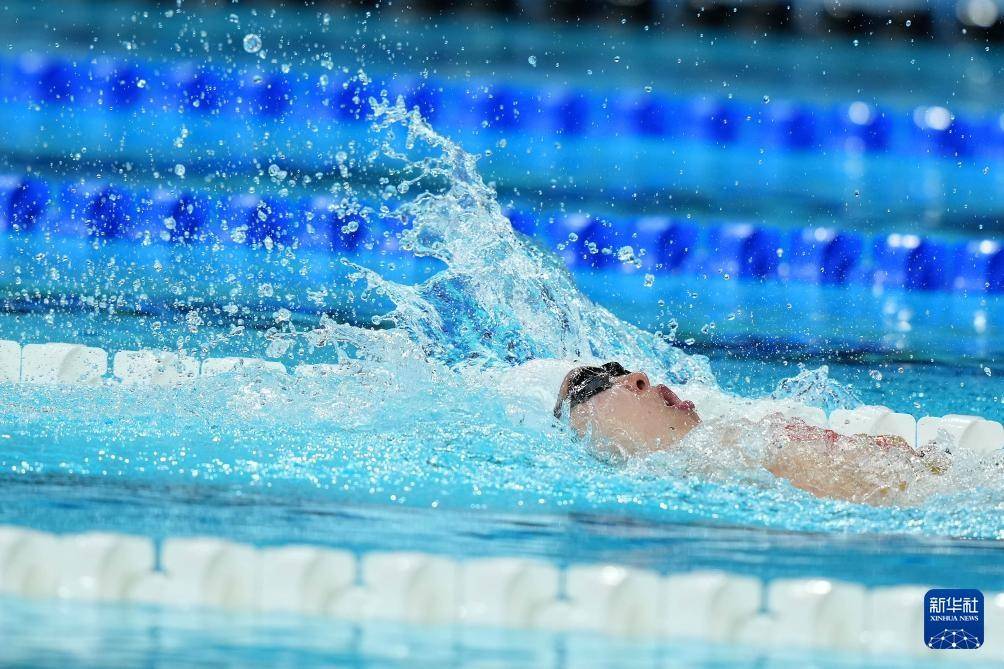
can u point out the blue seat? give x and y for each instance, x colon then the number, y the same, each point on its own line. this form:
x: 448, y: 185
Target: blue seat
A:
x: 823, y: 255
x: 744, y: 250
x: 111, y: 212
x: 909, y: 261
x: 28, y: 204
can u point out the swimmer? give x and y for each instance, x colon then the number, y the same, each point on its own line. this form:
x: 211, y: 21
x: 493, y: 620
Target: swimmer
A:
x: 623, y: 415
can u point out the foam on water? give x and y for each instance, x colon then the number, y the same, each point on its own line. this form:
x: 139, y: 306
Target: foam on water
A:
x: 814, y: 387
x: 437, y: 407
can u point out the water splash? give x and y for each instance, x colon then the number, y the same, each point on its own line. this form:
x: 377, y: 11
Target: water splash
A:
x: 499, y: 300
x: 814, y: 387
x: 412, y: 412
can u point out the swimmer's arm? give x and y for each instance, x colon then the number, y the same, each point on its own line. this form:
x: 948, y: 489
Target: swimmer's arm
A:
x: 860, y: 468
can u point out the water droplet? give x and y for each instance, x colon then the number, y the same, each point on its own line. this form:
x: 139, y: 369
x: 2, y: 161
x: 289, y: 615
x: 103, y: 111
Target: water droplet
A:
x: 278, y: 347
x: 532, y: 60
x: 252, y: 43
x: 649, y: 280
x: 193, y: 320
x: 875, y: 374
x: 240, y: 234
x: 179, y: 169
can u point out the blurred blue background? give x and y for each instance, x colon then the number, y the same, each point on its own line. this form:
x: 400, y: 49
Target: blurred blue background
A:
x: 770, y: 183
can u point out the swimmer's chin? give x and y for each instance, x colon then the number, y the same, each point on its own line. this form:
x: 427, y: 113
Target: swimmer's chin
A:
x: 616, y: 453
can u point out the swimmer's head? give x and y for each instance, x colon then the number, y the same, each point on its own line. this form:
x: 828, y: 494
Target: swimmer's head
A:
x: 622, y: 411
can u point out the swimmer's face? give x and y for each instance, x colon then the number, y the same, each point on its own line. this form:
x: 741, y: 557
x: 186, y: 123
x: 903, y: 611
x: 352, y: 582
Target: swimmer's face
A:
x: 633, y: 417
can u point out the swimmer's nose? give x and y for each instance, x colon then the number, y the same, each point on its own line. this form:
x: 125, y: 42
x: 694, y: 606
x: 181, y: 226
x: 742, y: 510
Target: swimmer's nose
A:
x: 637, y: 381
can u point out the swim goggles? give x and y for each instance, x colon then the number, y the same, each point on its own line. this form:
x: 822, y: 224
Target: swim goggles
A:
x: 584, y: 383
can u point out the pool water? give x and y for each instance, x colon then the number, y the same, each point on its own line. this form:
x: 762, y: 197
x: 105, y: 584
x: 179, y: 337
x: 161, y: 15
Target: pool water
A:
x: 110, y: 636
x: 416, y: 418
x: 411, y: 444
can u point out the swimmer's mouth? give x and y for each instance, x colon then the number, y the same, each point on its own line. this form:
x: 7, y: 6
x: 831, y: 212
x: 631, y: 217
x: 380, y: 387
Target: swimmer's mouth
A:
x: 673, y: 400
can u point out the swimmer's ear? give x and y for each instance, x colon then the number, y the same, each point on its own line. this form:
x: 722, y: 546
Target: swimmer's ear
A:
x: 566, y: 384
x: 559, y: 407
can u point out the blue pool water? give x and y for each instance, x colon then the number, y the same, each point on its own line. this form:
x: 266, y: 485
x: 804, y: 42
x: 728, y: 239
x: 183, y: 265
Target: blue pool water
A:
x: 113, y: 636
x: 410, y: 445
x: 400, y: 426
